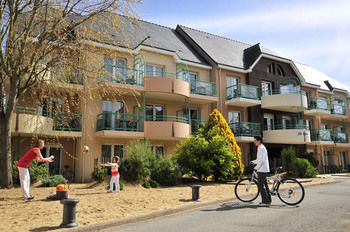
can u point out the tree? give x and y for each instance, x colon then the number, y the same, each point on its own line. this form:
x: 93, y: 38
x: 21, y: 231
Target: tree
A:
x: 38, y: 36
x: 217, y: 120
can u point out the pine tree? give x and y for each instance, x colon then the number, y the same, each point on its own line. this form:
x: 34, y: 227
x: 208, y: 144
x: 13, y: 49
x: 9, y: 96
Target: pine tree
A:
x: 217, y: 120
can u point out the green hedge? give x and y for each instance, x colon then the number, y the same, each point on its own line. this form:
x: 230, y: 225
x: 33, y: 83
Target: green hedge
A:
x: 53, y: 181
x: 37, y: 171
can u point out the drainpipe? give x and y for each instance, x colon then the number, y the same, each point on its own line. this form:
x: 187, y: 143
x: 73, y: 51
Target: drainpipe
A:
x: 220, y: 94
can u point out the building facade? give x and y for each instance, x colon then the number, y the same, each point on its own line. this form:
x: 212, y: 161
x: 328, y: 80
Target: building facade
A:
x: 163, y: 87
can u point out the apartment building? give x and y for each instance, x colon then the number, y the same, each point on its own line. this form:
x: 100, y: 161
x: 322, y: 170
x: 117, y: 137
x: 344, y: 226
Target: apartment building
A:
x: 162, y: 84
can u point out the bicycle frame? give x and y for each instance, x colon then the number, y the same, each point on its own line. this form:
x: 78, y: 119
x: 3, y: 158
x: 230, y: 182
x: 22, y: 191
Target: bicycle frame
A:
x: 276, y: 179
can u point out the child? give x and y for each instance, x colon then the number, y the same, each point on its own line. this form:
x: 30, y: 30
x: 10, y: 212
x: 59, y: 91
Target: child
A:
x: 115, y: 174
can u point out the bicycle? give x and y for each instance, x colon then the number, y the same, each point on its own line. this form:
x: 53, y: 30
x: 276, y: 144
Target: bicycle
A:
x: 289, y: 190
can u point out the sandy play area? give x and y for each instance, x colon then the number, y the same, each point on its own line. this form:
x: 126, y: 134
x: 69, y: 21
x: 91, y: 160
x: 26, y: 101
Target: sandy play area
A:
x: 96, y: 205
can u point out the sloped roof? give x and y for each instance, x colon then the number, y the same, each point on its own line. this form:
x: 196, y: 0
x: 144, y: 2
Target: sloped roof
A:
x: 227, y: 51
x: 313, y: 76
x: 130, y: 33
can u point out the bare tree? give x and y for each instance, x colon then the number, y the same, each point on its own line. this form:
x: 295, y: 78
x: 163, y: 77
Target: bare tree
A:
x: 37, y: 36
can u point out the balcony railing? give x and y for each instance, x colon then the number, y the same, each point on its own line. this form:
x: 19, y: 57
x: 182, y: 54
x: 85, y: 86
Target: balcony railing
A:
x: 26, y: 110
x: 288, y: 91
x: 167, y: 118
x: 181, y: 75
x: 119, y: 121
x: 286, y: 126
x: 245, y: 129
x: 321, y: 135
x: 338, y: 109
x: 203, y: 88
x: 319, y: 104
x: 67, y: 121
x: 196, y: 124
x: 242, y: 91
x: 341, y: 137
x: 117, y: 74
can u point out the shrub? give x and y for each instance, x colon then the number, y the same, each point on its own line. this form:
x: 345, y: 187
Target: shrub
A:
x: 53, y: 181
x: 288, y: 157
x: 146, y: 184
x: 121, y: 184
x: 99, y: 174
x: 139, y: 161
x: 153, y: 184
x: 165, y: 172
x: 303, y: 168
x: 311, y: 158
x: 37, y: 171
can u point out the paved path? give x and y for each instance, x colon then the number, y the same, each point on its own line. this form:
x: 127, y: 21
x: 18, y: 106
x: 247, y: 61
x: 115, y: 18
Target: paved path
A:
x: 326, y: 208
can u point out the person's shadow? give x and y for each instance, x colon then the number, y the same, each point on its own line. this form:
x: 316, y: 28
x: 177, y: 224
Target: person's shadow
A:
x: 242, y: 205
x: 45, y: 228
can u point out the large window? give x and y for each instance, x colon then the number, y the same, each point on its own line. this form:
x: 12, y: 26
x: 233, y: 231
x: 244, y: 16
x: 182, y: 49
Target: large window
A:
x: 111, y: 150
x: 232, y: 81
x: 266, y: 88
x: 116, y: 67
x: 154, y: 112
x: 154, y: 70
x: 50, y: 106
x: 286, y: 122
x: 269, y: 121
x: 111, y: 110
x: 158, y: 150
x: 280, y: 71
x: 234, y: 117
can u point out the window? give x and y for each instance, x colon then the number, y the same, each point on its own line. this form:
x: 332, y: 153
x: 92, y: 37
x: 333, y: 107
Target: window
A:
x: 116, y: 68
x: 308, y: 124
x: 232, y: 83
x: 111, y: 150
x: 269, y: 121
x: 154, y: 70
x: 286, y: 122
x: 326, y: 157
x: 110, y: 111
x: 50, y: 106
x: 324, y: 126
x: 266, y: 88
x: 234, y: 117
x: 154, y: 112
x: 193, y: 77
x: 158, y: 150
x: 280, y: 71
x: 270, y: 69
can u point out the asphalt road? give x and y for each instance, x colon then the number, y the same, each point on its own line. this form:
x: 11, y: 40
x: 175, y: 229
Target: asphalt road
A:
x: 326, y: 208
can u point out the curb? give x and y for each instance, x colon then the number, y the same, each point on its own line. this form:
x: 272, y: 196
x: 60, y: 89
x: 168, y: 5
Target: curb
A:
x: 165, y: 212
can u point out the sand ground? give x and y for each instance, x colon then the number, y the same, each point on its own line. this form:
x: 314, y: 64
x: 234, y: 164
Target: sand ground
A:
x: 96, y: 205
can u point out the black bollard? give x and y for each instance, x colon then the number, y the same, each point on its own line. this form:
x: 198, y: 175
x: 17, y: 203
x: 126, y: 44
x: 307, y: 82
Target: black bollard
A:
x: 195, y: 193
x: 69, y: 213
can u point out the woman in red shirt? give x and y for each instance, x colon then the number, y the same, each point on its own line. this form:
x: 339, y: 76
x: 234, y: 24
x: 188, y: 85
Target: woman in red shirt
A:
x: 24, y: 163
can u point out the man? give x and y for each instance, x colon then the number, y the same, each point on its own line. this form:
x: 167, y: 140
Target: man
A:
x: 262, y: 167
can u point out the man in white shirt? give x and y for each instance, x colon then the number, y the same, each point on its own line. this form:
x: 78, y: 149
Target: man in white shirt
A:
x: 263, y: 168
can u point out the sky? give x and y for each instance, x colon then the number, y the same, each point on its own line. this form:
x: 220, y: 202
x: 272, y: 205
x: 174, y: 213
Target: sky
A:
x: 312, y: 32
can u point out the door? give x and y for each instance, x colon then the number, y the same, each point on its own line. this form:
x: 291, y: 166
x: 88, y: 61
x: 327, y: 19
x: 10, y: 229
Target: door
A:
x: 269, y: 121
x: 232, y: 89
x: 154, y: 113
x: 194, y: 120
x: 344, y: 163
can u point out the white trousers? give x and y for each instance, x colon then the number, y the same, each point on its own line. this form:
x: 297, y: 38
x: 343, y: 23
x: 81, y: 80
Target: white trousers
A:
x: 114, y: 180
x: 25, y: 181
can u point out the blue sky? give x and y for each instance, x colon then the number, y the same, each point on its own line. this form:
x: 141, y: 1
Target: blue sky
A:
x: 313, y: 32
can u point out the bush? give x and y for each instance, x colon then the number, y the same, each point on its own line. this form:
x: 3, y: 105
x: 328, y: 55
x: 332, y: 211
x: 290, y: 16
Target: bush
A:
x: 139, y: 161
x: 311, y: 158
x: 153, y: 184
x: 121, y: 184
x: 146, y: 184
x: 298, y: 167
x: 165, y: 172
x: 99, y: 174
x: 53, y: 181
x: 37, y: 171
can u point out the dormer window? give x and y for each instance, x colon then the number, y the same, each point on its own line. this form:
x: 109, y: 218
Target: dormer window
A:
x: 280, y: 71
x: 270, y: 68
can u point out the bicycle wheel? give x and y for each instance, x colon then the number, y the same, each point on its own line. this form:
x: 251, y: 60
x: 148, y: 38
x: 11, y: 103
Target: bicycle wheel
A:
x: 246, y: 190
x: 290, y: 191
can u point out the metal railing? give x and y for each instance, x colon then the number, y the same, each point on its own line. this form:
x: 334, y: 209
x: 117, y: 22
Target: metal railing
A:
x: 180, y: 75
x: 242, y: 91
x: 286, y: 125
x: 288, y: 91
x: 338, y: 109
x: 67, y: 121
x: 26, y: 110
x: 245, y: 129
x: 117, y: 74
x: 341, y: 137
x: 319, y: 104
x: 166, y: 118
x: 119, y: 121
x: 196, y: 124
x: 203, y: 88
x: 321, y: 135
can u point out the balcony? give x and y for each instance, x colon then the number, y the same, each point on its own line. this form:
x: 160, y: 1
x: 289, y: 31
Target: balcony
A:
x: 245, y: 131
x: 119, y: 125
x: 161, y: 127
x: 287, y: 100
x: 203, y: 92
x: 242, y: 95
x: 322, y: 137
x: 123, y: 75
x: 338, y: 109
x: 29, y: 120
x: 338, y: 113
x: 196, y: 124
x: 318, y: 106
x: 287, y: 134
x: 166, y: 85
x: 341, y: 138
